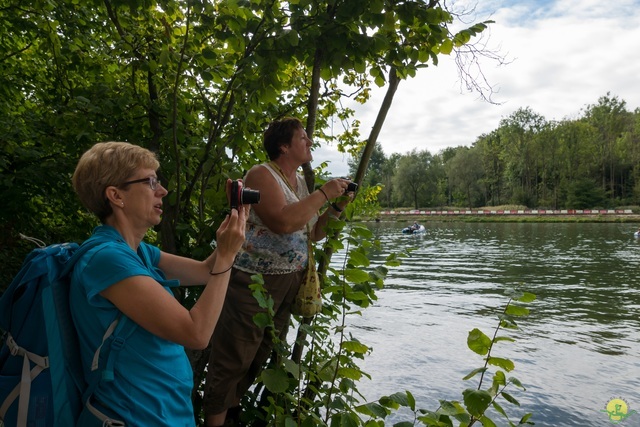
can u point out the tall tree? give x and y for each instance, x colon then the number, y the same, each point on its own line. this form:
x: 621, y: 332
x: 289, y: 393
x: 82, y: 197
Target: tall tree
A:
x: 410, y: 181
x: 518, y: 131
x: 195, y: 81
x: 491, y: 153
x: 609, y: 117
x: 374, y: 174
x: 465, y: 174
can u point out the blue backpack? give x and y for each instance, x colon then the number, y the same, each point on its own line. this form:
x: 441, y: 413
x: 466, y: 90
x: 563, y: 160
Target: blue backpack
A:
x: 41, y: 378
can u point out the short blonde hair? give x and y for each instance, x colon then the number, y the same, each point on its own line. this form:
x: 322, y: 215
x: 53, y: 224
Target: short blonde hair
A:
x: 106, y: 164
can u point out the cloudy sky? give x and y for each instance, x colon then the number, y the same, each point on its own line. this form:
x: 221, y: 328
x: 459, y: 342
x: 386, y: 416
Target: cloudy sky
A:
x: 563, y: 55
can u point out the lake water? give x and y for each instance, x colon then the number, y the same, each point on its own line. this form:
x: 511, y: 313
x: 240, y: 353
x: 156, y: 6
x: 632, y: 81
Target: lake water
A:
x: 578, y: 350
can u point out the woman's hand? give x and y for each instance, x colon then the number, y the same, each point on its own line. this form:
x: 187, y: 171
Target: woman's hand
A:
x: 231, y: 233
x: 335, y: 188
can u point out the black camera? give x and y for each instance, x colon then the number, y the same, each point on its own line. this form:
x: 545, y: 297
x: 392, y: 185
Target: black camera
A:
x: 242, y: 196
x: 352, y: 186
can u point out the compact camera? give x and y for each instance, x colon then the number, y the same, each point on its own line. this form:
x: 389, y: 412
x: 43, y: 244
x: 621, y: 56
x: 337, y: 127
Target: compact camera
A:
x: 242, y: 196
x: 352, y: 187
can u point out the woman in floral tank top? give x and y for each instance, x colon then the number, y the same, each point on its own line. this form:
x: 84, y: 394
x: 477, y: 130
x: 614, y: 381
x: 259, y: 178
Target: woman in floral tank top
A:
x: 276, y: 247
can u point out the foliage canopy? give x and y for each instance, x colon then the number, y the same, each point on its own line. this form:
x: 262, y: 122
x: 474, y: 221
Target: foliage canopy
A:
x: 196, y: 82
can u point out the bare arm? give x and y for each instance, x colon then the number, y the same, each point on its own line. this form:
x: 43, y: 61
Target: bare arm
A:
x: 283, y: 218
x: 319, y: 231
x: 148, y: 304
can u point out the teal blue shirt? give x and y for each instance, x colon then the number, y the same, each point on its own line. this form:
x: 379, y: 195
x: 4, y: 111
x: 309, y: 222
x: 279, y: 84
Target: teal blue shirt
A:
x: 152, y: 376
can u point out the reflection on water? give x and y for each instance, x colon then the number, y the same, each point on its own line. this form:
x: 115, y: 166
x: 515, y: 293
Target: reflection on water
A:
x: 579, y: 348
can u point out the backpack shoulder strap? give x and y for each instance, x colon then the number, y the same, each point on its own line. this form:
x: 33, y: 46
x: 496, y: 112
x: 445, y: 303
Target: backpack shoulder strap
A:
x: 113, y: 340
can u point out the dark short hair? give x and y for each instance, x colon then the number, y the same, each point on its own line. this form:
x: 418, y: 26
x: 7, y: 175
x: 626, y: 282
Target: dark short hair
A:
x: 279, y: 133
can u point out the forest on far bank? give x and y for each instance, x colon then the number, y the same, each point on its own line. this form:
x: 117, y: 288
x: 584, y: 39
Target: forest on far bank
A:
x: 592, y: 161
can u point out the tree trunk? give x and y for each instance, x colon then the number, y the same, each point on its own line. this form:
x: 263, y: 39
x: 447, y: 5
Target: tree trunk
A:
x: 362, y: 167
x: 394, y: 81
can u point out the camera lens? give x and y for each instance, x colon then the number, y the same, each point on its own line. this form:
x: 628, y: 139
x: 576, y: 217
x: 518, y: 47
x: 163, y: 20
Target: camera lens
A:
x: 352, y: 186
x: 239, y: 196
x: 249, y: 197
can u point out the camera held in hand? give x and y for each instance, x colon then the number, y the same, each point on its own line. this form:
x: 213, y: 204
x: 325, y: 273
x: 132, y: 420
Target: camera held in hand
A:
x: 242, y: 196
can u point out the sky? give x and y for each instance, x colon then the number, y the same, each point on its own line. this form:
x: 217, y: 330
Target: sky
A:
x: 561, y: 56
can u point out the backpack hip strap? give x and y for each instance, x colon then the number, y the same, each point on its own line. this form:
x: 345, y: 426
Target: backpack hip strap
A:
x: 24, y: 387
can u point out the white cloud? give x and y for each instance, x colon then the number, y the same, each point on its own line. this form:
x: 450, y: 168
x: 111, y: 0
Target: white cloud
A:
x: 338, y: 162
x: 565, y: 54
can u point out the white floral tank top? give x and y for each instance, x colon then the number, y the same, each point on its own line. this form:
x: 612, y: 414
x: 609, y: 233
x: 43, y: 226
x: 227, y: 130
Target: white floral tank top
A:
x: 266, y: 252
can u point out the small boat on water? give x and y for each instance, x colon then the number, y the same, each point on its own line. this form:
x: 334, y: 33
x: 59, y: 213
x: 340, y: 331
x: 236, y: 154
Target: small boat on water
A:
x: 413, y: 229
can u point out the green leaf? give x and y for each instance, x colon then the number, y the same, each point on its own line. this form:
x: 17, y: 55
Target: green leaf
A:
x: 452, y: 408
x: 373, y: 409
x: 476, y: 401
x: 257, y: 279
x: 499, y: 378
x: 358, y: 259
x: 525, y: 419
x: 344, y: 419
x: 515, y: 310
x: 499, y: 408
x: 487, y: 422
x: 355, y: 346
x: 526, y: 297
x: 411, y: 401
x: 478, y: 342
x: 507, y: 322
x: 356, y: 296
x: 505, y: 364
x: 292, y: 367
x: 276, y: 380
x: 510, y: 398
x: 351, y: 373
x: 261, y: 320
x: 494, y: 389
x: 356, y: 275
x: 401, y: 398
x: 430, y: 419
x: 516, y: 382
x: 392, y: 261
x: 388, y: 402
x: 474, y: 373
x: 261, y: 297
x: 446, y: 47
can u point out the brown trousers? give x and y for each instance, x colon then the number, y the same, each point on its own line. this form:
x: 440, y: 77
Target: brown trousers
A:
x: 239, y: 348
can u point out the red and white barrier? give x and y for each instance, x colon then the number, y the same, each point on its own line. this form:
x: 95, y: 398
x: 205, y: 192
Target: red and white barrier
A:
x: 512, y: 212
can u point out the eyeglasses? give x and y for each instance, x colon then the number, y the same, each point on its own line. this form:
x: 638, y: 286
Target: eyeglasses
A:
x: 152, y: 181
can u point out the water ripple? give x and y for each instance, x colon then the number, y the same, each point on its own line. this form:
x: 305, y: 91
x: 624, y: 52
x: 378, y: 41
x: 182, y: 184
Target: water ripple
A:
x: 579, y: 347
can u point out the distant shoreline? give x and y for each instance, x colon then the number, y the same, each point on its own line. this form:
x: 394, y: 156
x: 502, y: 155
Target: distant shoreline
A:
x: 513, y: 215
x: 511, y: 212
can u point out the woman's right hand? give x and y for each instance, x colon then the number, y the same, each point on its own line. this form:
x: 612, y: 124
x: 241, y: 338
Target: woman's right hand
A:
x: 335, y: 188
